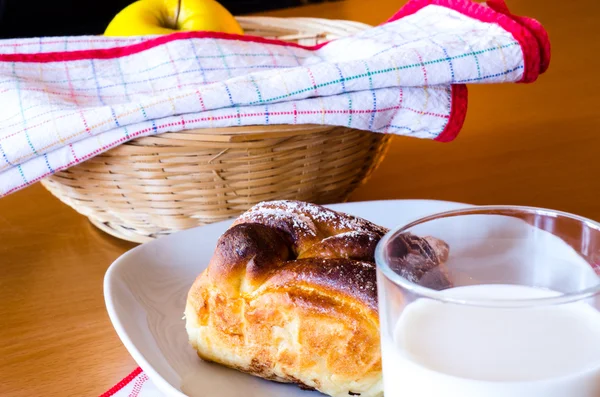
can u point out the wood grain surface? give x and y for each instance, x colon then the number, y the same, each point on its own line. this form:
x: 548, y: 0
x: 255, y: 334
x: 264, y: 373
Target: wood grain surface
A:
x: 521, y: 144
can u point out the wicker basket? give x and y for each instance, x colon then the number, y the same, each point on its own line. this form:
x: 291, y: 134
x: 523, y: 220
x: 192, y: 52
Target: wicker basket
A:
x: 156, y: 185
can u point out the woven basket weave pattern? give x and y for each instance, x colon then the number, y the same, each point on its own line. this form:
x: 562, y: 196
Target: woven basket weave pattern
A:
x: 156, y: 185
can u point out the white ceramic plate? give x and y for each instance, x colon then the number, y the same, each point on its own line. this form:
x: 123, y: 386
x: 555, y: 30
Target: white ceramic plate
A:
x: 145, y: 292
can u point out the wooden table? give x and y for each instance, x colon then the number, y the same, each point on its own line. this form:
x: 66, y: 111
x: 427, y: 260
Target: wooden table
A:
x: 522, y: 144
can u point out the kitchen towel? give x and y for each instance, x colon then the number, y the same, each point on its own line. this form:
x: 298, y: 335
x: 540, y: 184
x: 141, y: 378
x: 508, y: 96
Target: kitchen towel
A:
x: 136, y: 384
x: 65, y: 100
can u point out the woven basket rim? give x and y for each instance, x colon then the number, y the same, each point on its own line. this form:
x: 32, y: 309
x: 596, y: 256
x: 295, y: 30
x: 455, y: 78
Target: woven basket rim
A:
x: 252, y: 130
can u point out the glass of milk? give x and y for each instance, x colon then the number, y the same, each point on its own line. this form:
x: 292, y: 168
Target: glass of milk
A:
x: 491, y: 302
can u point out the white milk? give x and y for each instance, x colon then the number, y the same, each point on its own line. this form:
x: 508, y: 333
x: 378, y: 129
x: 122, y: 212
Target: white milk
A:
x: 446, y: 350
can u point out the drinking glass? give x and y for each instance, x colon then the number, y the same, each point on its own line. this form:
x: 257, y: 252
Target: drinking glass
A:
x: 494, y: 301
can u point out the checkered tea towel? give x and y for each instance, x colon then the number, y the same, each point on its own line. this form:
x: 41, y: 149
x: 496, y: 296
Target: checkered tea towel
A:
x: 65, y: 100
x: 136, y: 384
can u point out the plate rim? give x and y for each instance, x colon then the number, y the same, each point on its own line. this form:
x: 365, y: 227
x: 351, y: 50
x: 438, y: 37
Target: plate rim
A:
x: 160, y: 382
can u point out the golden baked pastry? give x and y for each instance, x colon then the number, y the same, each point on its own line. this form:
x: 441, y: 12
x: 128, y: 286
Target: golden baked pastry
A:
x: 290, y: 295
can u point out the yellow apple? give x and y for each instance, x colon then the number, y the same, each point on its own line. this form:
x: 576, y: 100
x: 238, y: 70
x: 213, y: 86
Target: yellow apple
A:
x: 145, y: 17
